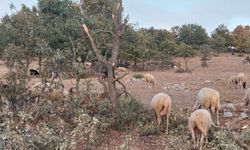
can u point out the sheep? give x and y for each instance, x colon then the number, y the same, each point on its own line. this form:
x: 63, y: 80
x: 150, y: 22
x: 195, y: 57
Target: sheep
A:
x: 122, y: 69
x: 34, y: 72
x: 242, y: 80
x: 149, y: 79
x: 161, y: 104
x: 247, y: 96
x: 87, y: 65
x: 38, y: 88
x: 233, y: 80
x: 209, y: 98
x: 200, y: 122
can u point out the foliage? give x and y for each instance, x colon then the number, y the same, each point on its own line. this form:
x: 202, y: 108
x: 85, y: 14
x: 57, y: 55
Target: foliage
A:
x: 185, y: 51
x: 221, y: 38
x: 138, y: 76
x: 126, y: 114
x: 191, y: 34
x: 205, y: 54
x: 241, y: 34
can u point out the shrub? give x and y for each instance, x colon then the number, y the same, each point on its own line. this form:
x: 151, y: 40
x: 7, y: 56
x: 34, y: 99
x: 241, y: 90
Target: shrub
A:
x: 138, y: 76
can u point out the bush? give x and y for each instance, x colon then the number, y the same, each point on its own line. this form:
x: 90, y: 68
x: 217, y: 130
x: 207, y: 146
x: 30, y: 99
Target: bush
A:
x: 138, y: 76
x: 126, y: 113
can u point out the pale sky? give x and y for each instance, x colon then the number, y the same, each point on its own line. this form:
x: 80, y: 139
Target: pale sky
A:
x: 164, y: 14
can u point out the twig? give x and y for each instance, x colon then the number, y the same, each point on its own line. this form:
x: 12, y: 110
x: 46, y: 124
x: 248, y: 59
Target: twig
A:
x: 168, y: 143
x: 95, y: 49
x: 239, y: 143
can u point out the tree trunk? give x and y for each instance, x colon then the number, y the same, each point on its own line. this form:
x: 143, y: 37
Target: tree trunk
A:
x: 186, y: 64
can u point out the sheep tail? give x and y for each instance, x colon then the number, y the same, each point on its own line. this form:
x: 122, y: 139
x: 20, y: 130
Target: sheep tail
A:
x: 163, y: 110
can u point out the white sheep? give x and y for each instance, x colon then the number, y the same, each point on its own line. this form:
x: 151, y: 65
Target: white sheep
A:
x: 209, y: 98
x: 122, y: 69
x: 247, y: 96
x: 149, y: 79
x: 242, y: 80
x: 233, y: 80
x: 199, y: 123
x: 38, y: 88
x: 161, y: 104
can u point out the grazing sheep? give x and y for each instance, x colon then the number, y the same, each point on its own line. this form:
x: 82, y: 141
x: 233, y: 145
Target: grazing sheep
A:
x: 38, y: 88
x: 161, y: 104
x: 34, y: 72
x: 149, y: 79
x: 122, y: 69
x: 199, y: 123
x: 209, y: 99
x: 233, y: 80
x: 247, y: 96
x: 242, y: 80
x: 87, y: 65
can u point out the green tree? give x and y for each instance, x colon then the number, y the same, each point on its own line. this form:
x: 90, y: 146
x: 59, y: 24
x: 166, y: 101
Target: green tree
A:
x: 191, y: 34
x: 221, y: 38
x: 118, y: 25
x: 186, y: 52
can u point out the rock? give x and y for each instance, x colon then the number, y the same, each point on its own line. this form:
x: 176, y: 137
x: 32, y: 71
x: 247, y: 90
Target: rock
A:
x: 243, y: 115
x: 228, y: 107
x: 207, y: 81
x: 227, y: 114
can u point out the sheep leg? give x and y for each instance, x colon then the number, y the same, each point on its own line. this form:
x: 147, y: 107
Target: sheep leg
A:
x: 247, y: 101
x: 158, y: 117
x: 193, y: 137
x: 167, y: 123
x: 203, y: 135
x: 217, y: 117
x: 202, y: 140
x: 196, y: 105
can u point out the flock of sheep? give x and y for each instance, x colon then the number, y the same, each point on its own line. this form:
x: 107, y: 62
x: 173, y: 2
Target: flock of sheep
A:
x: 200, y: 120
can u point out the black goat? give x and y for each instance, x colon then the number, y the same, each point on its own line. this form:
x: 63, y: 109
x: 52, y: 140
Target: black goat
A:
x: 34, y: 72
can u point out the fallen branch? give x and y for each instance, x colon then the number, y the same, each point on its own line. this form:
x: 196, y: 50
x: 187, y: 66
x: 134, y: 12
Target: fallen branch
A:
x: 236, y: 140
x: 168, y: 143
x: 95, y: 49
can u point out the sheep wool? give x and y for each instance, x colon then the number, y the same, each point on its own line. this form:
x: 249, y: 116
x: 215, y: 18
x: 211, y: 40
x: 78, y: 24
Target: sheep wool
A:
x: 247, y: 96
x: 209, y: 98
x: 161, y: 104
x: 199, y: 122
x: 149, y: 79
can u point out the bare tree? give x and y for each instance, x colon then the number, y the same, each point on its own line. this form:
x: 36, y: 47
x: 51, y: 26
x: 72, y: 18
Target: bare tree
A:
x: 109, y: 83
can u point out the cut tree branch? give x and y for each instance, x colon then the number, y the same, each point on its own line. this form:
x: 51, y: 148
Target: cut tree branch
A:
x: 124, y: 88
x: 120, y: 77
x: 95, y: 49
x: 237, y: 141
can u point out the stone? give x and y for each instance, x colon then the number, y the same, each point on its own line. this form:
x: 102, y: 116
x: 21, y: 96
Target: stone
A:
x: 243, y: 115
x: 227, y: 114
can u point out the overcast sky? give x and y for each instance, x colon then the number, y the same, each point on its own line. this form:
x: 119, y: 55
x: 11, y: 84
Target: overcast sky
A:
x: 165, y: 14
